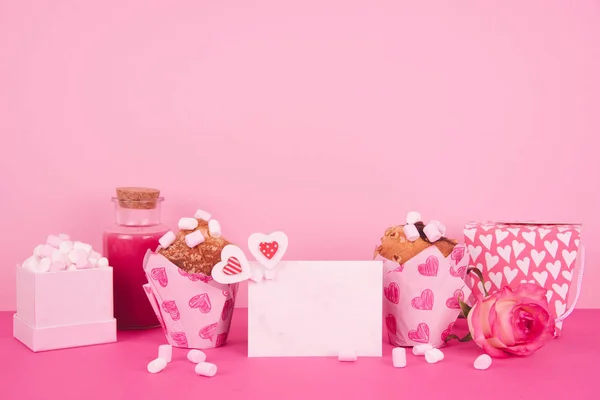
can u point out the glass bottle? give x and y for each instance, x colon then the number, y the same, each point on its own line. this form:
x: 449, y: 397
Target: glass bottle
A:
x: 137, y: 228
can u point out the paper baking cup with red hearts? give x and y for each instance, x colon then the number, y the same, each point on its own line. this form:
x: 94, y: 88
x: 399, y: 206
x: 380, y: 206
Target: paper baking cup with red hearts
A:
x: 420, y: 301
x: 195, y: 311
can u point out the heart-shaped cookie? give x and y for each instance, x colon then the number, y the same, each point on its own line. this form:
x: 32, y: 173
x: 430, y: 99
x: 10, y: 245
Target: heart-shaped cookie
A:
x: 268, y: 249
x: 233, y: 268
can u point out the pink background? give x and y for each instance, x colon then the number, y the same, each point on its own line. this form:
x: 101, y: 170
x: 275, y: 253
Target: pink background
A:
x: 326, y: 119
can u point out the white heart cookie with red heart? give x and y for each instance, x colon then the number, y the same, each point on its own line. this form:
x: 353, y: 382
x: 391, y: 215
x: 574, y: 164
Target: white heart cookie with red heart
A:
x: 233, y: 268
x: 268, y: 249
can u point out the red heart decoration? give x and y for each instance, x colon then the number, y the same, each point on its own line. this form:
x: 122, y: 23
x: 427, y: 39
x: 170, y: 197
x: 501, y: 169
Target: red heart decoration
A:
x: 390, y: 322
x: 208, y: 332
x: 233, y: 266
x: 180, y: 339
x: 221, y: 339
x: 201, y: 302
x: 420, y: 335
x: 452, y: 302
x: 160, y: 275
x: 430, y: 268
x: 268, y: 249
x: 458, y: 273
x: 423, y: 302
x: 447, y: 331
x: 392, y: 293
x: 170, y: 307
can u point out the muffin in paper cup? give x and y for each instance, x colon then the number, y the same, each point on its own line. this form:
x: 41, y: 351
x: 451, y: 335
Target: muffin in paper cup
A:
x: 421, y: 295
x: 195, y: 311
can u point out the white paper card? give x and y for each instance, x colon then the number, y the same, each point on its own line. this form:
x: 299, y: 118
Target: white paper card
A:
x: 317, y: 308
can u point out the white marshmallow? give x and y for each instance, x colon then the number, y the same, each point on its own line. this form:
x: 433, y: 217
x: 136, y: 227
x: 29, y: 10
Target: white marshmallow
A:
x: 188, y: 224
x: 165, y: 351
x: 54, y: 241
x: 440, y: 226
x: 206, y: 369
x: 83, y: 246
x: 347, y: 355
x: 482, y: 362
x: 432, y: 232
x: 93, y: 262
x: 102, y: 262
x: 214, y: 228
x: 85, y: 264
x: 77, y: 256
x: 196, y: 356
x: 413, y: 217
x: 59, y: 265
x: 167, y: 239
x: 433, y: 356
x: 66, y: 246
x: 411, y: 232
x: 71, y: 267
x: 64, y: 236
x: 421, y: 349
x: 44, y: 265
x: 96, y: 255
x: 57, y: 255
x: 32, y: 263
x: 194, y: 239
x: 157, y: 365
x: 204, y: 215
x: 43, y: 250
x: 399, y: 357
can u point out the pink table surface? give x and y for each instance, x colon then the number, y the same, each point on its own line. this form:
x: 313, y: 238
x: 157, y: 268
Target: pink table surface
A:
x: 567, y: 368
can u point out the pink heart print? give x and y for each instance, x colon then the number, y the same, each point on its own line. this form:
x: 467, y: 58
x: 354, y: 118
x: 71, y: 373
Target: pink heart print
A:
x: 225, y: 293
x: 390, y: 322
x: 180, y: 339
x: 424, y: 301
x: 457, y: 254
x: 452, y: 302
x: 234, y: 289
x: 420, y: 335
x: 160, y: 275
x: 458, y: 273
x: 194, y: 277
x: 392, y: 293
x: 208, y: 332
x: 227, y: 307
x: 430, y: 268
x: 170, y: 307
x: 447, y: 332
x: 221, y: 339
x: 201, y: 302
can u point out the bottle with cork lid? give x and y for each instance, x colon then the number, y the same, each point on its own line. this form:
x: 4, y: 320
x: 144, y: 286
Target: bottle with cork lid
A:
x: 136, y: 229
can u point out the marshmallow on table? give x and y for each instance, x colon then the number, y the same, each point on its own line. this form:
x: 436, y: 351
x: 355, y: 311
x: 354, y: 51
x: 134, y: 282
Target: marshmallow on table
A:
x: 203, y: 215
x: 347, y: 355
x: 399, y: 357
x: 433, y: 356
x: 206, y: 369
x: 188, y: 224
x: 165, y: 351
x: 411, y: 232
x: 196, y: 356
x: 413, y: 217
x: 432, y: 232
x: 214, y: 228
x: 157, y: 365
x: 54, y: 241
x: 66, y: 246
x: 194, y: 239
x: 482, y: 362
x: 167, y: 239
x: 421, y: 349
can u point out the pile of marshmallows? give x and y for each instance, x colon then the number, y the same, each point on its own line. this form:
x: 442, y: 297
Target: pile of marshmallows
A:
x: 434, y: 230
x: 165, y: 356
x: 432, y: 356
x: 59, y: 253
x: 189, y: 224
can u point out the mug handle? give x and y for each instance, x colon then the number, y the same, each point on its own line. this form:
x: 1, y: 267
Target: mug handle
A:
x: 579, y: 282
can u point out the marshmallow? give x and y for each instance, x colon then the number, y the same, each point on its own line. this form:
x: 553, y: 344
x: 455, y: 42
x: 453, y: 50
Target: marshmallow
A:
x: 83, y: 246
x: 84, y: 264
x: 421, y: 349
x: 71, y: 267
x: 214, y: 228
x: 188, y: 224
x: 201, y: 214
x: 44, y: 265
x: 32, y: 263
x: 43, y: 250
x: 206, y: 369
x: 411, y: 232
x: 95, y: 255
x: 77, y: 256
x: 59, y: 265
x: 102, y: 262
x: 66, y: 246
x: 440, y: 226
x: 347, y: 355
x: 64, y: 236
x: 432, y: 232
x: 157, y: 365
x: 433, y: 356
x: 167, y: 239
x: 194, y: 239
x: 196, y: 356
x: 54, y: 241
x: 57, y: 255
x: 413, y: 217
x: 399, y: 357
x: 483, y: 362
x: 165, y: 351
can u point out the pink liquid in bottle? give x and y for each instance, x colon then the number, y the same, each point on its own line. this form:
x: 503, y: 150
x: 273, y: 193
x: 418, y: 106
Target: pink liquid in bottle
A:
x: 136, y: 230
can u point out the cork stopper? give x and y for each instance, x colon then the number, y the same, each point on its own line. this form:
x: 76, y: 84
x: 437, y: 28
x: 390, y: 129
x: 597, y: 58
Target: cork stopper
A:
x: 137, y: 197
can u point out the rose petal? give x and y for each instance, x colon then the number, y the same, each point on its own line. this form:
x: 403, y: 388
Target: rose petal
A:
x: 532, y: 291
x: 500, y: 320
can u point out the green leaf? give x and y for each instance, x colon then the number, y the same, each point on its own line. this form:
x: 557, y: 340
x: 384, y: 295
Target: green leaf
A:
x: 480, y: 276
x: 462, y: 340
x: 464, y: 308
x: 466, y: 338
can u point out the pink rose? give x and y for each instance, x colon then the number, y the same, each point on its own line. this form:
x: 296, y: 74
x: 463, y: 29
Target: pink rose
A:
x: 512, y: 322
